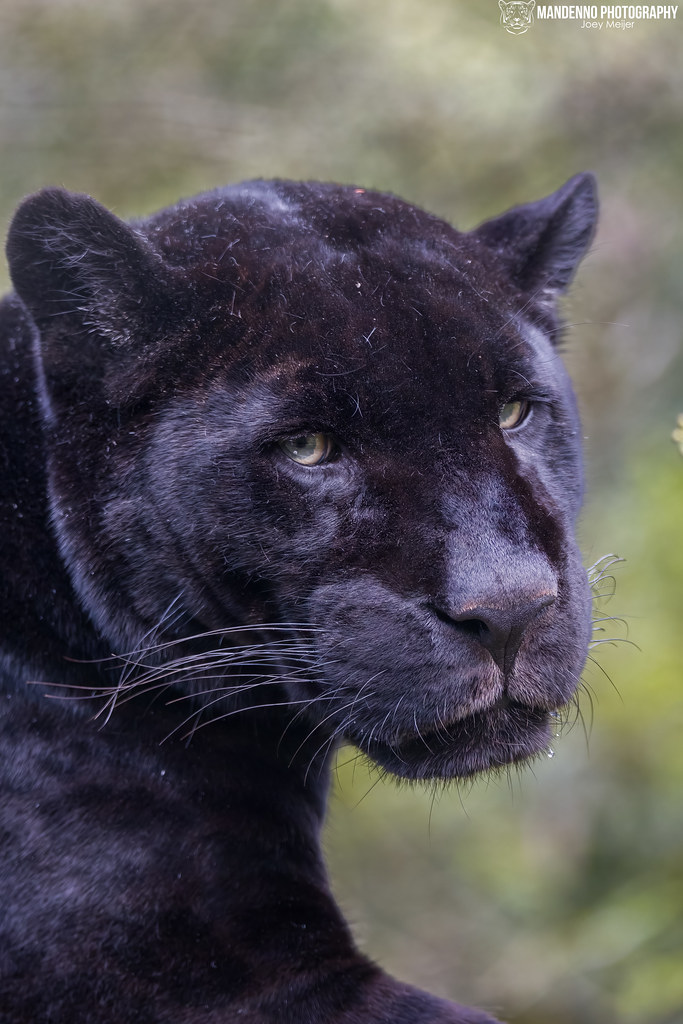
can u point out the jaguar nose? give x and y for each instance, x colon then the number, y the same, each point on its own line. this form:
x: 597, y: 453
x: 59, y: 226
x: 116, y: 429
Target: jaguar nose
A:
x: 499, y: 630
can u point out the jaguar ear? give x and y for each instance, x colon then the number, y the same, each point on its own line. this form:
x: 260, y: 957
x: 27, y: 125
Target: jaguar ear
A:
x: 79, y: 268
x: 543, y: 243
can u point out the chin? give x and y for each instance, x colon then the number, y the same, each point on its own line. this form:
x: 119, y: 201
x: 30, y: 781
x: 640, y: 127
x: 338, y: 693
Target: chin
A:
x: 485, y: 741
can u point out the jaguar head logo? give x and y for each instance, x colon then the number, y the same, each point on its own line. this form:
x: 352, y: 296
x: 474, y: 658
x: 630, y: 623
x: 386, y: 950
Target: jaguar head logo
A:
x: 517, y: 15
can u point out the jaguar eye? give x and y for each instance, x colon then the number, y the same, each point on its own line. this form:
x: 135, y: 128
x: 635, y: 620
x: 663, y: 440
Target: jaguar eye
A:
x: 513, y: 414
x: 309, y: 449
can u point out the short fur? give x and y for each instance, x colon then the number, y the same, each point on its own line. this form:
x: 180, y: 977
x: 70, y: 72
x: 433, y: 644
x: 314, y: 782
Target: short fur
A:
x: 233, y: 614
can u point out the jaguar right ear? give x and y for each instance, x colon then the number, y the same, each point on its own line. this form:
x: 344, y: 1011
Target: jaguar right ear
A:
x: 74, y: 263
x: 542, y: 243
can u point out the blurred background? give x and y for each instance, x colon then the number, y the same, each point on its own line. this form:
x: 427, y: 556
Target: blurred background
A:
x: 555, y: 896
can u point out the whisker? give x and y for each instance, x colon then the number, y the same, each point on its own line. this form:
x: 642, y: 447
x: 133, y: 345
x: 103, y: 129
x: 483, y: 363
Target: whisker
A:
x: 335, y: 694
x: 606, y: 675
x: 326, y: 719
x: 238, y: 711
x: 326, y: 743
x: 226, y: 632
x: 382, y: 774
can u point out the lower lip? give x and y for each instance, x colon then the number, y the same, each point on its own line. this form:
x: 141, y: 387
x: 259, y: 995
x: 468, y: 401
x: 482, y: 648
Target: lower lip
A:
x: 506, y: 733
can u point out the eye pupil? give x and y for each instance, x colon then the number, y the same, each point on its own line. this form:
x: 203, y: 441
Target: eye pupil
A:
x: 309, y: 449
x: 513, y: 414
x: 302, y: 445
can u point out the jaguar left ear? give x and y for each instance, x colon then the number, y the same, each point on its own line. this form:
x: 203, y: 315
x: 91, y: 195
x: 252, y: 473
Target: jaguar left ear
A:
x: 542, y: 243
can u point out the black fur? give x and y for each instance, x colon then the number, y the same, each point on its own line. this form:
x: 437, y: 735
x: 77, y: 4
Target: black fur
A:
x: 419, y: 594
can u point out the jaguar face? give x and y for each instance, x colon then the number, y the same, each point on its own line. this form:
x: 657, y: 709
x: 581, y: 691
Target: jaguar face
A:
x: 320, y: 410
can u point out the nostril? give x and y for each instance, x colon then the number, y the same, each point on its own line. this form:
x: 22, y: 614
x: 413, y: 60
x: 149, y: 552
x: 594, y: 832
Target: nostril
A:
x: 499, y: 630
x: 476, y: 628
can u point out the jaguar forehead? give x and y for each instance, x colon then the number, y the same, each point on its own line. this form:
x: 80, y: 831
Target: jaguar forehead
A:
x: 548, y: 364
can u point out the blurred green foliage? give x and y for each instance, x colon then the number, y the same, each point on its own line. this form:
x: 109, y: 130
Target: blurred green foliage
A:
x: 557, y: 896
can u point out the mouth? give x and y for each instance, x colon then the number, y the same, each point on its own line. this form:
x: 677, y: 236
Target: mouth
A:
x: 505, y: 733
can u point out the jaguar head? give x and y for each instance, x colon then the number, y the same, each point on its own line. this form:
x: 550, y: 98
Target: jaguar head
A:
x: 320, y: 414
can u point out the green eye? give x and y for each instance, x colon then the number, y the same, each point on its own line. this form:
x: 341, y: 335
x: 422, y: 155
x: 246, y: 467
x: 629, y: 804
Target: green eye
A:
x: 512, y: 414
x: 309, y: 449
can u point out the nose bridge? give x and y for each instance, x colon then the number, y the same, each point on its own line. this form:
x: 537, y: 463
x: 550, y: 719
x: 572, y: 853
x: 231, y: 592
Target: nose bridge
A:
x: 497, y: 583
x: 492, y: 571
x: 492, y: 558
